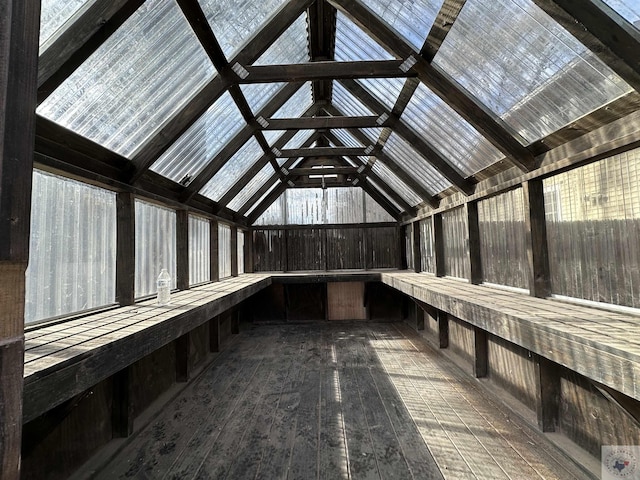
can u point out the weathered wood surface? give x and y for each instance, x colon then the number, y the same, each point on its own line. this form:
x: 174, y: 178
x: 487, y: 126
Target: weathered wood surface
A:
x: 349, y: 400
x: 64, y: 359
x: 601, y: 345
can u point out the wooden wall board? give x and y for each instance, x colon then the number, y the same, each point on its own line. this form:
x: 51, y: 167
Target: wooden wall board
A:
x: 345, y: 301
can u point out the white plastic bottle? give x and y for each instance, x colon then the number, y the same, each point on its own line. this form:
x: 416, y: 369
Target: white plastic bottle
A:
x: 164, y: 287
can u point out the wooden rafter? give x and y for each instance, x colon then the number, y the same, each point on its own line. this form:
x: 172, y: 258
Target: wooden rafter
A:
x: 601, y: 29
x: 423, y: 147
x: 323, y: 152
x: 440, y: 29
x: 77, y: 42
x: 194, y: 109
x: 314, y: 123
x: 479, y: 116
x: 200, y: 25
x: 322, y: 28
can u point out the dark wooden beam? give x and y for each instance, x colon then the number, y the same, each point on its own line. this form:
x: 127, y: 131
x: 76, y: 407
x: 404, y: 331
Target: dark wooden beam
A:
x: 194, y: 109
x: 537, y: 249
x: 323, y: 171
x: 322, y: 152
x: 441, y: 26
x: 122, y: 408
x: 319, y: 182
x: 182, y: 346
x: 314, y: 71
x: 480, y: 352
x: 19, y: 27
x: 214, y: 267
x: 417, y: 252
x: 443, y: 329
x: 234, y: 251
x: 482, y: 119
x: 201, y: 27
x: 438, y: 244
x: 79, y: 41
x: 473, y: 231
x: 601, y: 29
x: 322, y: 30
x: 548, y: 393
x: 182, y: 249
x: 214, y: 334
x: 314, y: 123
x: 429, y: 152
x: 125, y: 248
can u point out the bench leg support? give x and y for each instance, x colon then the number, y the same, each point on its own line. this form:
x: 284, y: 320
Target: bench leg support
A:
x: 547, y: 393
x: 214, y: 334
x: 443, y: 329
x: 122, y: 408
x: 481, y: 353
x: 183, y: 344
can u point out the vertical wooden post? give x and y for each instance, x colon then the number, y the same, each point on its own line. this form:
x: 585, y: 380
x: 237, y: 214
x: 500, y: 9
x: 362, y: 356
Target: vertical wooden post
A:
x: 19, y: 29
x: 183, y: 347
x: 365, y: 248
x: 402, y: 248
x: 213, y: 245
x: 234, y: 251
x: 438, y: 244
x: 443, y: 329
x: 474, y: 258
x: 125, y: 248
x: 481, y: 352
x: 248, y: 251
x: 537, y: 250
x: 419, y: 317
x: 548, y: 390
x: 214, y: 334
x: 122, y: 407
x: 285, y: 250
x: 325, y: 250
x: 182, y: 249
x: 417, y: 252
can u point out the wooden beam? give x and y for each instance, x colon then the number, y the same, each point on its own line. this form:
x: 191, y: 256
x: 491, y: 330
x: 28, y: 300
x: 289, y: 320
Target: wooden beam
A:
x: 601, y: 29
x: 19, y: 27
x: 125, y: 248
x: 234, y: 251
x: 268, y: 200
x: 296, y: 172
x: 322, y: 152
x: 192, y: 110
x: 381, y: 200
x: 321, y: 19
x: 537, y: 248
x: 473, y: 231
x: 214, y: 334
x: 182, y: 348
x: 314, y: 123
x: 438, y: 244
x: 441, y: 26
x: 200, y: 25
x: 182, y: 249
x: 214, y: 267
x: 122, y: 414
x: 429, y: 152
x: 64, y: 53
x: 417, y: 252
x: 443, y: 329
x: 479, y: 116
x: 548, y: 393
x: 480, y: 352
x: 314, y: 71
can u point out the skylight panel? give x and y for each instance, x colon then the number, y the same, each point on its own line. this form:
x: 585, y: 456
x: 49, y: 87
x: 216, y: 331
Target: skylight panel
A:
x: 374, y: 212
x: 398, y: 186
x: 251, y: 187
x: 346, y: 137
x: 384, y: 194
x: 134, y: 82
x: 275, y: 185
x: 54, y: 14
x: 347, y: 103
x: 275, y: 213
x: 353, y: 44
x: 234, y: 22
x: 233, y: 170
x: 290, y: 47
x: 415, y: 164
x: 259, y: 94
x: 525, y: 67
x: 298, y: 139
x: 386, y: 90
x: 411, y: 20
x: 272, y: 136
x: 196, y: 147
x: 372, y: 134
x: 297, y: 104
x: 448, y: 132
x: 628, y: 9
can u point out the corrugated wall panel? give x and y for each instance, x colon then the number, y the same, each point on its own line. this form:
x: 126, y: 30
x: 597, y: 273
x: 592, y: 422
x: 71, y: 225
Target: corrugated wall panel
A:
x: 199, y: 250
x: 224, y: 250
x: 456, y: 240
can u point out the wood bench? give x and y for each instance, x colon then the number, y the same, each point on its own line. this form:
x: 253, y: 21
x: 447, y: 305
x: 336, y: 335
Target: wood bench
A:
x: 65, y: 359
x: 601, y: 345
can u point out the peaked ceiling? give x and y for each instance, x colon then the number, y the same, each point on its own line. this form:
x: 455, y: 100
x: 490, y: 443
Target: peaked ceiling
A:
x: 225, y: 104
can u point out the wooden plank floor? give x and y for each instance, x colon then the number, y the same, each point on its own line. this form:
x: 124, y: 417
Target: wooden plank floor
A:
x: 334, y: 401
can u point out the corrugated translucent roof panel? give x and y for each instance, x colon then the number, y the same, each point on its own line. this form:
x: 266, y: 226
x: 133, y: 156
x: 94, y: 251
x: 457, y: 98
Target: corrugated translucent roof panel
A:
x: 235, y: 21
x: 297, y: 104
x: 259, y: 94
x: 298, y: 139
x: 411, y: 20
x: 232, y: 170
x: 251, y: 187
x: 448, y: 132
x: 386, y: 90
x: 290, y: 47
x: 274, y: 214
x: 415, y: 164
x: 136, y: 80
x: 372, y: 133
x: 374, y: 212
x: 347, y: 103
x: 383, y: 193
x: 275, y: 185
x: 345, y: 137
x: 272, y: 135
x: 353, y: 44
x: 628, y: 9
x: 54, y: 14
x: 525, y: 67
x: 202, y: 141
x: 392, y: 180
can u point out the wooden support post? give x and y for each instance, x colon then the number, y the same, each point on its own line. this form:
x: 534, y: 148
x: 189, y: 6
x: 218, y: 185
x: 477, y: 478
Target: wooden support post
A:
x: 325, y: 250
x: 19, y: 28
x: 537, y: 249
x: 125, y: 248
x: 214, y: 334
x: 183, y: 345
x: 365, y: 249
x: 285, y: 251
x: 248, y: 251
x: 402, y: 249
x: 443, y: 329
x: 234, y: 251
x: 438, y: 244
x: 419, y: 317
x: 182, y: 249
x: 481, y: 352
x: 122, y: 406
x: 235, y: 321
x: 548, y: 390
x: 213, y: 245
x: 473, y: 255
x: 417, y: 252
